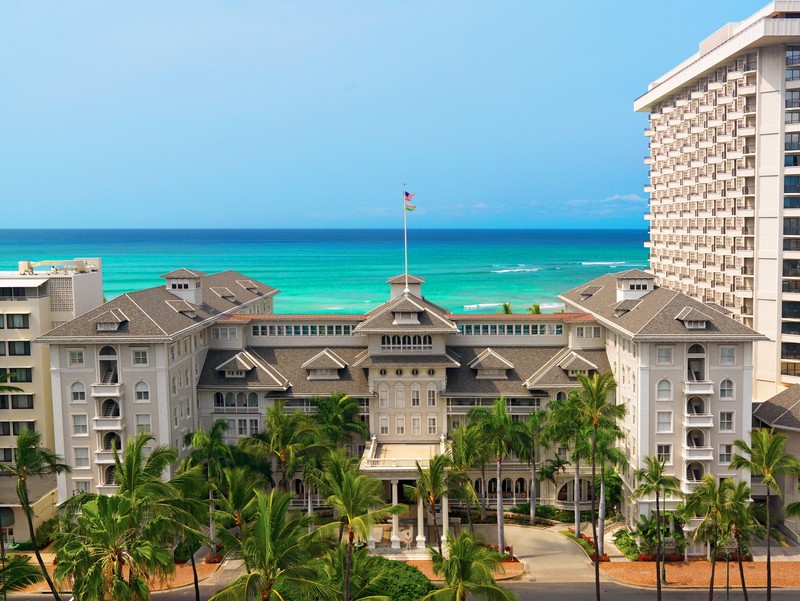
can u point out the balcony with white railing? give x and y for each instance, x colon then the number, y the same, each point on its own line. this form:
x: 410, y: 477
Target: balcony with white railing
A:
x: 108, y: 423
x: 697, y: 453
x: 107, y: 489
x: 102, y: 389
x: 698, y: 420
x: 698, y: 387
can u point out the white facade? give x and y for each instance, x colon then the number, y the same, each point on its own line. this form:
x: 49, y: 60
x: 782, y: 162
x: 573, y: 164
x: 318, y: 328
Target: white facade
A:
x: 725, y: 182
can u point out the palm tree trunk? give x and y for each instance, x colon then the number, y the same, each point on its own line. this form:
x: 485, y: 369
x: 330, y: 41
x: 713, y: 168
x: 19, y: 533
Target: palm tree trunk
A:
x: 601, y: 512
x: 713, y: 568
x: 576, y: 494
x: 594, y: 517
x: 196, y: 581
x: 469, y: 514
x: 658, y: 551
x: 432, y: 506
x: 501, y: 534
x: 22, y: 491
x: 483, y: 492
x: 741, y: 567
x: 769, y: 550
x: 348, y: 564
x: 532, y: 492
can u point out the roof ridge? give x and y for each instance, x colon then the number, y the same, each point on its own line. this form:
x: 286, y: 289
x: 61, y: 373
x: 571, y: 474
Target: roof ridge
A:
x: 146, y: 314
x: 656, y: 313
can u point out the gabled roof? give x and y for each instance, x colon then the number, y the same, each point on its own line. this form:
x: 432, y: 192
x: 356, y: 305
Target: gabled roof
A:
x: 590, y: 291
x: 554, y: 373
x: 182, y: 306
x: 782, y: 410
x: 627, y: 305
x: 241, y: 361
x: 634, y: 274
x: 110, y: 316
x: 574, y: 362
x: 183, y: 274
x: 150, y: 314
x: 325, y: 359
x: 654, y: 317
x: 261, y: 375
x: 691, y: 314
x: 223, y: 292
x: 401, y: 279
x: 432, y: 319
x: 490, y: 359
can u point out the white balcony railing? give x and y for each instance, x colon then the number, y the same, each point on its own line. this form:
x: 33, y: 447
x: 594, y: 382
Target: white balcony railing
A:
x: 698, y: 387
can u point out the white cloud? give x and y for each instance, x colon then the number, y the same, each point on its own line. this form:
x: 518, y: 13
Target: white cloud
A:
x: 635, y: 197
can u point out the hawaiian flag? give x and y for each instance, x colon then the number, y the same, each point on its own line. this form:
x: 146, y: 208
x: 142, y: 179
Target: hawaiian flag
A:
x: 408, y: 205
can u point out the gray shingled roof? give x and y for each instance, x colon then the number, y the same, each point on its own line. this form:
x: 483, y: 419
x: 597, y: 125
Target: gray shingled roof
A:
x: 325, y: 359
x: 654, y: 317
x: 432, y: 318
x: 183, y: 274
x: 635, y: 274
x: 150, y: 313
x: 239, y: 362
x: 490, y: 359
x: 782, y: 410
x: 553, y: 375
x: 401, y: 279
x: 410, y: 360
x: 263, y: 376
x: 526, y: 361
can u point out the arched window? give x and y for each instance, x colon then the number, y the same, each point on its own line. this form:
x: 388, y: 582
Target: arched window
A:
x: 109, y: 408
x: 508, y: 486
x: 492, y: 488
x: 78, y: 392
x: 406, y: 341
x: 695, y: 439
x: 427, y: 342
x: 478, y: 485
x: 726, y: 390
x: 694, y: 472
x: 385, y: 341
x: 696, y: 364
x: 142, y: 391
x: 230, y: 399
x: 111, y: 440
x: 696, y: 349
x: 561, y: 396
x: 108, y: 351
x: 252, y: 399
x: 696, y: 406
x: 241, y: 400
x: 520, y: 486
x: 396, y: 341
x: 664, y: 390
x: 110, y: 476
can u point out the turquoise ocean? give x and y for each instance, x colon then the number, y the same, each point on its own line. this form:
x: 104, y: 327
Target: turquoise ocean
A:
x: 344, y: 270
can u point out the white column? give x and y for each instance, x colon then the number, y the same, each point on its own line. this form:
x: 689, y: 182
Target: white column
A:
x: 371, y: 539
x: 445, y: 519
x: 420, y: 525
x: 395, y: 519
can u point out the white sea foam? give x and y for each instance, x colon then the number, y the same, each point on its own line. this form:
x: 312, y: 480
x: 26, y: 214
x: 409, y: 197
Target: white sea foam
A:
x: 517, y: 270
x: 551, y: 305
x: 603, y: 263
x: 481, y: 306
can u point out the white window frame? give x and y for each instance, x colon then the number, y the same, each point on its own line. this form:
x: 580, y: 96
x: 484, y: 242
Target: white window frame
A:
x: 75, y: 458
x: 664, y: 449
x: 433, y: 427
x: 732, y: 389
x: 664, y: 360
x: 732, y: 421
x: 415, y: 397
x: 82, y: 392
x: 141, y: 425
x: 416, y: 425
x: 81, y: 486
x: 383, y: 397
x: 722, y: 448
x: 659, y: 396
x: 400, y: 397
x: 658, y: 422
x: 383, y: 425
x: 400, y: 425
x: 85, y: 431
x: 144, y: 391
x: 137, y: 354
x: 431, y: 397
x: 727, y: 361
x: 77, y: 353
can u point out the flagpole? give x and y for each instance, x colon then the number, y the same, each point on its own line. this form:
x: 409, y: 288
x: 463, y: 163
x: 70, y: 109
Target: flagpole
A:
x: 406, y: 290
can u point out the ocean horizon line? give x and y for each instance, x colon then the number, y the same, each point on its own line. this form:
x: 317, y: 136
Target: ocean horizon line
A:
x: 325, y: 229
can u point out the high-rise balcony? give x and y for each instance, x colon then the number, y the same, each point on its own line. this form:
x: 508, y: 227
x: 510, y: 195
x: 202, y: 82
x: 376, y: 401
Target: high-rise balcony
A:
x: 698, y: 387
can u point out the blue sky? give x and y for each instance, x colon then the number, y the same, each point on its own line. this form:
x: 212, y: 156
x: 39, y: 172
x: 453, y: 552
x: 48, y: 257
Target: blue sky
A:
x: 300, y: 113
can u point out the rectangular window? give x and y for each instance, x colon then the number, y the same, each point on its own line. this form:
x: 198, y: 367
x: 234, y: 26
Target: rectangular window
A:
x: 400, y: 426
x: 2, y: 348
x: 726, y: 421
x: 139, y: 357
x: 6, y: 455
x: 416, y: 426
x: 664, y: 355
x: 21, y: 374
x: 384, y: 422
x: 19, y: 348
x: 142, y: 422
x: 17, y: 427
x: 22, y: 401
x: 727, y: 355
x: 75, y: 357
x: 221, y: 333
x: 383, y: 397
x: 81, y: 486
x: 415, y: 397
x: 17, y: 321
x: 81, y: 457
x: 664, y: 453
x: 80, y: 425
x: 431, y: 424
x: 664, y: 422
x: 175, y: 417
x: 242, y: 427
x: 5, y: 428
x: 400, y: 398
x: 725, y: 453
x: 431, y: 398
x: 253, y: 427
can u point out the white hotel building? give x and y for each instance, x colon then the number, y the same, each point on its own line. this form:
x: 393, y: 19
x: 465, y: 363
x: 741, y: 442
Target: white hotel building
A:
x: 725, y: 181
x: 207, y: 347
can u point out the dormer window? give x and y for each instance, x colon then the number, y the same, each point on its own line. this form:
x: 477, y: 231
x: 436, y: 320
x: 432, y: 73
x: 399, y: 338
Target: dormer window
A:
x: 406, y: 318
x: 490, y: 365
x: 695, y: 325
x: 325, y: 365
x: 110, y: 321
x: 692, y: 319
x: 107, y: 326
x: 234, y: 373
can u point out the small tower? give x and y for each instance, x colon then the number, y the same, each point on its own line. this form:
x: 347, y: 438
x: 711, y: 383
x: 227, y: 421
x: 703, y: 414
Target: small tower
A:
x: 634, y: 284
x: 397, y: 286
x: 186, y: 284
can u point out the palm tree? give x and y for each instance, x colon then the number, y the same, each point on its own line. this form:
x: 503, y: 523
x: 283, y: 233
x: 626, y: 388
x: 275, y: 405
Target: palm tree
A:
x: 468, y: 569
x: 17, y: 573
x: 506, y: 309
x: 708, y: 500
x: 357, y: 500
x: 106, y: 556
x: 433, y: 483
x: 210, y: 450
x: 608, y: 454
x: 33, y: 460
x: 467, y: 448
x: 594, y: 407
x: 502, y: 435
x: 337, y: 417
x: 532, y: 438
x: 5, y: 388
x: 235, y: 498
x: 366, y: 573
x: 278, y: 552
x: 653, y: 481
x: 739, y: 514
x: 535, y: 309
x: 765, y: 457
x: 288, y: 435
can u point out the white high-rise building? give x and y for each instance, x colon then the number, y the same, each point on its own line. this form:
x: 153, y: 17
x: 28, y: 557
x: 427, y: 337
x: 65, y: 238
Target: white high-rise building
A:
x: 725, y: 182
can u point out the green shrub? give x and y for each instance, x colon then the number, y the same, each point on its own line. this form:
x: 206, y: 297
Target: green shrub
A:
x: 405, y: 583
x: 626, y: 543
x: 46, y: 531
x: 185, y: 550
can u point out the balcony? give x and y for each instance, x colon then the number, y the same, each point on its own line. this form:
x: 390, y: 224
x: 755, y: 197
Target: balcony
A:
x: 108, y: 423
x: 107, y: 489
x: 107, y: 390
x: 104, y: 457
x: 698, y: 420
x: 691, y: 453
x: 746, y: 131
x: 698, y: 387
x: 748, y: 90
